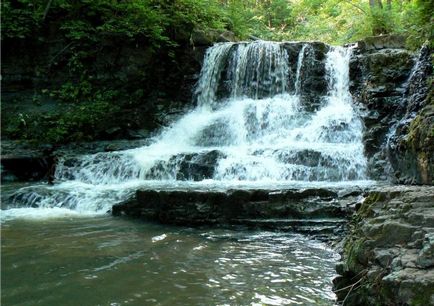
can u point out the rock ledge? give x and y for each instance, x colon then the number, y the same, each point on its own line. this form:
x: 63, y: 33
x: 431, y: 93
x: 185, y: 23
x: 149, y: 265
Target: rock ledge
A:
x: 388, y: 256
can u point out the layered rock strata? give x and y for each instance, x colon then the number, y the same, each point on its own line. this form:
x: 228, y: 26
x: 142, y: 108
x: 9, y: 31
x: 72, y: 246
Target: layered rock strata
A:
x: 388, y: 255
x: 313, y: 211
x: 392, y: 87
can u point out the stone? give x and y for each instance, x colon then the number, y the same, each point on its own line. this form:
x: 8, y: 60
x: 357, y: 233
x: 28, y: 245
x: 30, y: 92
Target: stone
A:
x: 227, y: 36
x: 425, y: 258
x: 202, y: 38
x: 384, y: 257
x: 382, y: 42
x: 194, y: 166
x: 309, y: 211
x: 390, y: 249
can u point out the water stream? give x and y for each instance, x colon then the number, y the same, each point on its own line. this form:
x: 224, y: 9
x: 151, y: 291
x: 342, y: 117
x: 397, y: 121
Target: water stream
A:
x: 111, y: 261
x: 249, y: 129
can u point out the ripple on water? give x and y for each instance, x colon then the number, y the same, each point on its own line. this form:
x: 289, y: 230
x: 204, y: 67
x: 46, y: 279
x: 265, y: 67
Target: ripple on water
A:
x: 103, y: 260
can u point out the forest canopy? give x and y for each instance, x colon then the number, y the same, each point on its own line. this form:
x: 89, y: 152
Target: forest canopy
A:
x: 162, y: 21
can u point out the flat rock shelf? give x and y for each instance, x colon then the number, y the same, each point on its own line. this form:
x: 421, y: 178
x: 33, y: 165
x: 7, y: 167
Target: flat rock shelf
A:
x: 318, y: 211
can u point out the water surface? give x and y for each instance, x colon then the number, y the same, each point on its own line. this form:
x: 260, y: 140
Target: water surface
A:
x: 112, y: 261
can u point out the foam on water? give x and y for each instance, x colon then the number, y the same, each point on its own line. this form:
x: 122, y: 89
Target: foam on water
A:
x: 39, y: 213
x: 248, y: 130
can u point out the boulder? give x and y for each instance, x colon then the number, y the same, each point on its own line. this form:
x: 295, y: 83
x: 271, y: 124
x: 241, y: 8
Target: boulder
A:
x: 186, y: 167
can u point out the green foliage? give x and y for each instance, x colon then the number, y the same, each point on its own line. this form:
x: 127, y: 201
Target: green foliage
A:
x: 343, y: 21
x: 82, y: 121
x: 418, y: 22
x: 165, y: 25
x: 19, y: 18
x: 163, y: 22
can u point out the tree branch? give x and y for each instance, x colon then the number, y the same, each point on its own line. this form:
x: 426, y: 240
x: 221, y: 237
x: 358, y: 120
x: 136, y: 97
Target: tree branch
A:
x: 356, y: 6
x: 47, y: 8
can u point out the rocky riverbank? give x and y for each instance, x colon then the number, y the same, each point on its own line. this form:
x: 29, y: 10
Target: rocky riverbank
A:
x: 388, y: 254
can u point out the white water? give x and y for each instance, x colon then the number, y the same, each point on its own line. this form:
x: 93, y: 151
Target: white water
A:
x: 254, y: 134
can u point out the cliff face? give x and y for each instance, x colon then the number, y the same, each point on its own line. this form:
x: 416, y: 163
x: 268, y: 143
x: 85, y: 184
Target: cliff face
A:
x: 391, y: 86
x: 411, y: 146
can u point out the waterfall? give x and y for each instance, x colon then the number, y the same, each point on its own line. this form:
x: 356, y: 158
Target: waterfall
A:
x: 300, y: 61
x: 248, y: 129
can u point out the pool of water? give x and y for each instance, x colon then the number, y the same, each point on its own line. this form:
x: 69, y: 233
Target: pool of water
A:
x: 102, y: 260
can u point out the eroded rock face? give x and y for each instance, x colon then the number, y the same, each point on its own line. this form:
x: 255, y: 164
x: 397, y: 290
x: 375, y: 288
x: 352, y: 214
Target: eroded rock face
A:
x: 388, y: 257
x: 411, y: 146
x: 378, y: 82
x: 391, y: 87
x: 313, y: 84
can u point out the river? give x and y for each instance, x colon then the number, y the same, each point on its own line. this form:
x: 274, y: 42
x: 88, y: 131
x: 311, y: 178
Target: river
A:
x: 102, y: 260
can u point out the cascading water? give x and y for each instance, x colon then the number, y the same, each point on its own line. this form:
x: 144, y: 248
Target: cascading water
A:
x: 248, y: 129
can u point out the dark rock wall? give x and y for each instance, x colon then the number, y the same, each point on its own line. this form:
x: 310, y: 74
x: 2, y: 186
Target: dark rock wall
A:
x: 411, y: 146
x: 390, y: 98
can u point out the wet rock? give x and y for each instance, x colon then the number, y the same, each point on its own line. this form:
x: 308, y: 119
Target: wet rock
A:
x: 194, y: 166
x: 313, y: 211
x: 389, y: 85
x: 23, y: 162
x: 388, y: 256
x: 411, y: 146
x: 313, y: 85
